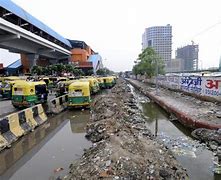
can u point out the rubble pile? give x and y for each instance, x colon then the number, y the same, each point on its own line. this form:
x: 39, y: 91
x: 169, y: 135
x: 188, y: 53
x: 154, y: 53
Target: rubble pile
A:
x: 211, y: 137
x: 123, y: 147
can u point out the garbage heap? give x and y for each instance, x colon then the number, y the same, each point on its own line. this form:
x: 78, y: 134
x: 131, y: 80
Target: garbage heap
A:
x: 123, y: 146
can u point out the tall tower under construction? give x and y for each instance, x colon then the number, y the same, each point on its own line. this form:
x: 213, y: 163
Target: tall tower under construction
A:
x: 189, y: 55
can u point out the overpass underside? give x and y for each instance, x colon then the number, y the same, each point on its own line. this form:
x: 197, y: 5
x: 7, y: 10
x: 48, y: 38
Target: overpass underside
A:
x: 18, y: 40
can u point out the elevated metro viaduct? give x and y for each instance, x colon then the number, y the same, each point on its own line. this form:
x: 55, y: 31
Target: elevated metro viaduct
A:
x: 22, y: 33
x: 38, y: 44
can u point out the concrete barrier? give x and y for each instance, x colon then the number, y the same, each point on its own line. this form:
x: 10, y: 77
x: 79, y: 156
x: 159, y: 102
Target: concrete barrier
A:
x: 3, y: 143
x: 20, y: 123
x: 58, y: 104
x: 39, y: 114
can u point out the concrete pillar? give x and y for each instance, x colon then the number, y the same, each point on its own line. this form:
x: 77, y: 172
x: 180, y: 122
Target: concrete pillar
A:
x: 32, y: 59
x: 54, y: 61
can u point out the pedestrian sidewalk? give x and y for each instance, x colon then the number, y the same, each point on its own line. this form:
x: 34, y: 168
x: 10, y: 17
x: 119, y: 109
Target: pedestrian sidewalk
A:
x: 189, y: 110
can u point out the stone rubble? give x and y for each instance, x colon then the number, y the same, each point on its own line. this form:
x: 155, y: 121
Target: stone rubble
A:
x: 123, y: 146
x: 211, y: 137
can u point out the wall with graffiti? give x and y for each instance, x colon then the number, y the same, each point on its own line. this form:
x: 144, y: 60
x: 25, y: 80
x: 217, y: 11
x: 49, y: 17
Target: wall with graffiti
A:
x: 200, y: 85
x: 204, y: 86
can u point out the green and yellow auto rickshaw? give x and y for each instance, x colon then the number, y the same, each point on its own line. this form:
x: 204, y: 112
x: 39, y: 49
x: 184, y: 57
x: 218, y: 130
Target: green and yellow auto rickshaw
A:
x: 48, y: 82
x: 62, y: 79
x: 79, y: 94
x: 101, y: 82
x: 108, y: 81
x: 27, y: 94
x: 62, y: 87
x: 6, y: 88
x: 93, y: 83
x: 114, y: 79
x: 10, y: 78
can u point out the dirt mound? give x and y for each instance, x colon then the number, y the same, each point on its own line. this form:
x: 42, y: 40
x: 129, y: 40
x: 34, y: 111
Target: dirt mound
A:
x: 123, y: 147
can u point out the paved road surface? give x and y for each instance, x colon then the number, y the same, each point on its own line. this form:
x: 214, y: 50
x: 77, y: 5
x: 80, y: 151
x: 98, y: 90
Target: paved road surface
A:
x: 6, y: 107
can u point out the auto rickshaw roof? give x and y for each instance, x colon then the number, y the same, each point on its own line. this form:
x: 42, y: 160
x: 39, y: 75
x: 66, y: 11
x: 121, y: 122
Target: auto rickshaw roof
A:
x: 11, y: 78
x: 22, y: 83
x: 38, y: 83
x: 79, y: 83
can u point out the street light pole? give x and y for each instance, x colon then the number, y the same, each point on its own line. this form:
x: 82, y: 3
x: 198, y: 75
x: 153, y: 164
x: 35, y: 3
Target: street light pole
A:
x: 156, y: 69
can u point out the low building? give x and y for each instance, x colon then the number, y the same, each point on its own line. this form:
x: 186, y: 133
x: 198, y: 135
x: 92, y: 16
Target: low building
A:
x: 15, y: 68
x: 84, y: 57
x: 96, y: 60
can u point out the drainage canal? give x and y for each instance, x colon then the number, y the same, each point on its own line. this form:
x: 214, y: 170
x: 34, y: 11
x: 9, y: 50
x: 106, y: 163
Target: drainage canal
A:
x: 191, y: 154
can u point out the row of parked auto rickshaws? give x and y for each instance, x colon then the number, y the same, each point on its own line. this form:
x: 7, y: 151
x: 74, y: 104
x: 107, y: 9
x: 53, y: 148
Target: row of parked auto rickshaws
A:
x: 26, y: 92
x: 79, y: 91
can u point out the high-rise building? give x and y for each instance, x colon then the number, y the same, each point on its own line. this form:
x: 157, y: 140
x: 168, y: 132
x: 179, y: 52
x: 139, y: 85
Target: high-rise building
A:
x: 189, y: 54
x: 160, y: 39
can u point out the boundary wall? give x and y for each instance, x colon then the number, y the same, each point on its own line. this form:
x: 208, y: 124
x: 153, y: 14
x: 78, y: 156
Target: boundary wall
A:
x: 205, y: 87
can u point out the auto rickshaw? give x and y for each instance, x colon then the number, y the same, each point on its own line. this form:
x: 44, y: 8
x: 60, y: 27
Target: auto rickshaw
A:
x: 62, y: 87
x: 6, y: 88
x: 62, y: 79
x: 79, y: 94
x: 101, y: 82
x: 93, y: 83
x: 48, y: 82
x: 27, y: 94
x: 114, y: 79
x: 108, y: 81
x: 10, y: 78
x: 6, y: 84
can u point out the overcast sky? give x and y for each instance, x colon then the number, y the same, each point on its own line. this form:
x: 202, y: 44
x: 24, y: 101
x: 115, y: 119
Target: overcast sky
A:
x: 114, y: 27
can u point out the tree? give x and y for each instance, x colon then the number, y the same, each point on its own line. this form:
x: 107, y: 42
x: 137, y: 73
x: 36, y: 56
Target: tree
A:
x: 90, y: 72
x: 78, y: 72
x: 104, y: 72
x: 69, y: 68
x: 148, y: 62
x: 36, y: 70
x: 60, y: 69
x: 101, y: 72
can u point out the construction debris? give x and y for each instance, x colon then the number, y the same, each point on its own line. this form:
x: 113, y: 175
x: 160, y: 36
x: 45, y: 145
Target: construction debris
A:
x: 123, y: 146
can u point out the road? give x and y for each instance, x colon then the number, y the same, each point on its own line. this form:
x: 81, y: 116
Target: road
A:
x: 6, y: 108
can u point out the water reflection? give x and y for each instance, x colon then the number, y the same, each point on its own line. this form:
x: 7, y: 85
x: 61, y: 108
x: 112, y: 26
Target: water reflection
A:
x: 79, y: 121
x: 50, y: 145
x: 9, y: 156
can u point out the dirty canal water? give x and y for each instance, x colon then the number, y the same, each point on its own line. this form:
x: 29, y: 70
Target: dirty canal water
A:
x: 193, y: 156
x: 47, y: 152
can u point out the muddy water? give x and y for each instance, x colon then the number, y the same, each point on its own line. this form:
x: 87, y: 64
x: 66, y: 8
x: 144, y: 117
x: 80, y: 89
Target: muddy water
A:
x: 47, y: 152
x: 192, y: 155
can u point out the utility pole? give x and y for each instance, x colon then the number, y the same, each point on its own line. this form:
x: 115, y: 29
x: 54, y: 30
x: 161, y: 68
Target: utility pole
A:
x: 157, y: 71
